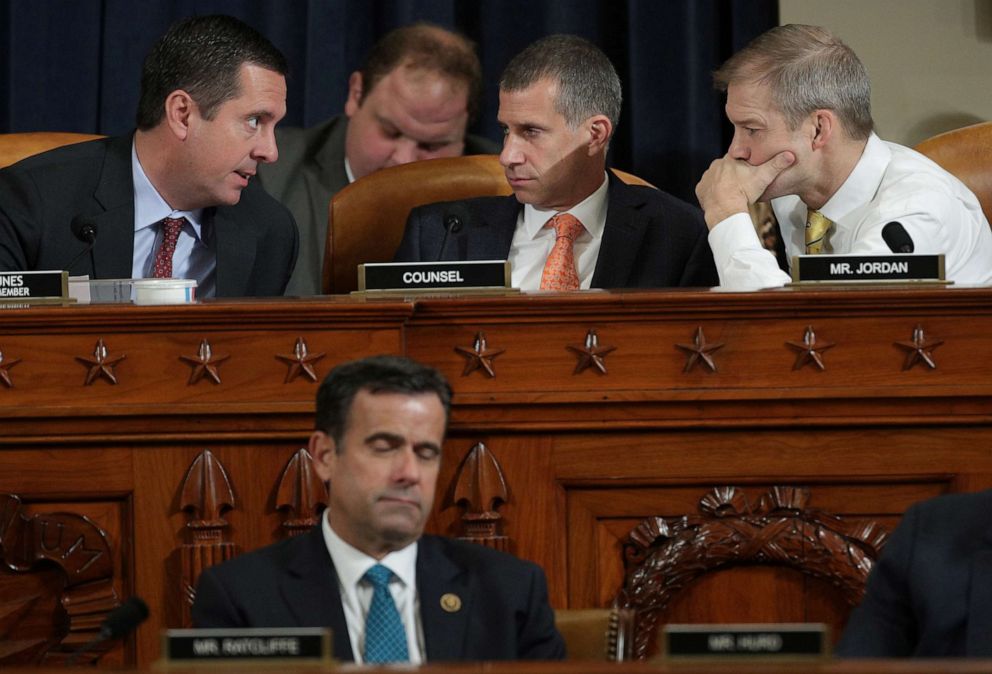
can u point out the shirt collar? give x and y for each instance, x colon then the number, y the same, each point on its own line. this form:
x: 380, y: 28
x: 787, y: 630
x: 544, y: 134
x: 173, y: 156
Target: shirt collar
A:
x: 149, y: 206
x: 591, y: 212
x: 861, y: 186
x: 347, y: 171
x: 351, y: 563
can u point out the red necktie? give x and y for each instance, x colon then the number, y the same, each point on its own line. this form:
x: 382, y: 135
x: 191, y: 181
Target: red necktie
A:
x: 559, y: 270
x: 163, y: 256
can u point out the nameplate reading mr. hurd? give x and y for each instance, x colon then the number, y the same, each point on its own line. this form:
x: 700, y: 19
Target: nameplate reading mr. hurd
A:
x: 778, y: 640
x: 434, y: 275
x: 867, y: 268
x: 298, y: 644
x: 33, y: 285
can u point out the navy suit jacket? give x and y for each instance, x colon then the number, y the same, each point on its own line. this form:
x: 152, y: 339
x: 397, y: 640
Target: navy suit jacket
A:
x: 651, y: 239
x: 504, y: 613
x: 255, y: 241
x: 930, y: 594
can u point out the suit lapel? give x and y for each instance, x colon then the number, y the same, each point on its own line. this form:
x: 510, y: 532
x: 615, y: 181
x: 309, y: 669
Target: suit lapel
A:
x: 494, y: 230
x: 235, y: 248
x: 446, y: 599
x: 622, y: 236
x: 311, y: 592
x: 114, y: 246
x: 979, y: 637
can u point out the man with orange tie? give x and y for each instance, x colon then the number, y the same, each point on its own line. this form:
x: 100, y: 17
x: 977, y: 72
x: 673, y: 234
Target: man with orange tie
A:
x: 388, y: 592
x: 570, y: 223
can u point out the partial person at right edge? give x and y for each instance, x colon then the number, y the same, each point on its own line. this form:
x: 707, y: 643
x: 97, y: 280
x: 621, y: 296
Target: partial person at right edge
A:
x: 413, y: 99
x: 800, y: 103
x: 570, y: 223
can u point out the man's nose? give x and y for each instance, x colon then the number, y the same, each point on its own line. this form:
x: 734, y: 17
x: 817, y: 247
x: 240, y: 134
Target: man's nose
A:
x: 510, y: 154
x: 406, y: 468
x: 404, y: 151
x: 739, y: 149
x: 266, y: 151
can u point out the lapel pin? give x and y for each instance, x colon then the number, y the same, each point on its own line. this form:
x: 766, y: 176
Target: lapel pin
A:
x: 451, y: 602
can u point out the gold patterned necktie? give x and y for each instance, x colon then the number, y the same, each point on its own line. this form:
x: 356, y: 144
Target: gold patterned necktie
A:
x: 817, y: 225
x: 559, y: 269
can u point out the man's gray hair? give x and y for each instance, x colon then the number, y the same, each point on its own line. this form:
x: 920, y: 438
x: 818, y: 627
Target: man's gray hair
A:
x: 807, y: 68
x: 587, y: 82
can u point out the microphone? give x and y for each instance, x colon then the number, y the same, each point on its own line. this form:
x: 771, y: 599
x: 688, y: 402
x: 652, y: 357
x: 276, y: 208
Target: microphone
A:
x: 84, y: 229
x: 118, y: 624
x: 454, y: 218
x: 897, y: 238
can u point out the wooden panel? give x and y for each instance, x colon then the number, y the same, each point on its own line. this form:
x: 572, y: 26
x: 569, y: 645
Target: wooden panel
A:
x: 584, y: 457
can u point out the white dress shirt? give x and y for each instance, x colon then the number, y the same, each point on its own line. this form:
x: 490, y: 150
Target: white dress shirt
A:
x: 532, y: 241
x: 192, y: 258
x: 351, y: 565
x: 889, y: 183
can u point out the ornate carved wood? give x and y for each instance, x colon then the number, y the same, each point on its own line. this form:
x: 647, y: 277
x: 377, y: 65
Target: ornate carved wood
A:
x: 480, y: 488
x: 479, y: 356
x: 920, y: 349
x: 810, y: 350
x: 204, y: 364
x: 206, y: 495
x: 7, y: 362
x: 301, y: 495
x: 664, y: 555
x: 101, y: 365
x: 81, y: 599
x: 300, y: 362
x: 590, y: 354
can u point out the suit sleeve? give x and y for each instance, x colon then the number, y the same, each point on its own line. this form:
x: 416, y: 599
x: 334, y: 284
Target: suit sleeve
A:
x: 213, y: 606
x: 19, y: 235
x: 700, y: 269
x: 538, y: 638
x: 409, y: 248
x: 884, y: 625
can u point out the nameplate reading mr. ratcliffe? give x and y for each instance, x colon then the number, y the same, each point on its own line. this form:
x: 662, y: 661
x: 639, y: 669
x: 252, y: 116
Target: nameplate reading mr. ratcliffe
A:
x: 775, y: 640
x: 470, y: 274
x: 898, y: 267
x: 33, y: 285
x: 311, y: 644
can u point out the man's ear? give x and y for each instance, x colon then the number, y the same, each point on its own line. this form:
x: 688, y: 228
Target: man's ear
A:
x: 600, y: 129
x: 179, y: 109
x: 824, y: 126
x: 323, y: 452
x: 355, y: 92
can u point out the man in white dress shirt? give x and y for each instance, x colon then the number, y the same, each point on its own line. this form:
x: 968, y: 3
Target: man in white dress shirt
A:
x: 380, y: 426
x: 800, y: 103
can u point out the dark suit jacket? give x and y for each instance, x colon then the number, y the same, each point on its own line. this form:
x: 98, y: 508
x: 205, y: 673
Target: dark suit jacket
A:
x: 504, y: 613
x: 930, y: 594
x: 651, y: 239
x: 255, y: 241
x: 310, y: 171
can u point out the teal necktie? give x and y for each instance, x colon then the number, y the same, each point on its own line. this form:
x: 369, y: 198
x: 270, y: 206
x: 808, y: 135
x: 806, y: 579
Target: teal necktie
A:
x: 385, y: 637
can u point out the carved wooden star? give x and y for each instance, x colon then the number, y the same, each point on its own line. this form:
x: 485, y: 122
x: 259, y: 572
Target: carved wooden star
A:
x: 590, y: 353
x: 479, y: 357
x: 920, y: 350
x: 204, y: 364
x: 810, y: 350
x: 5, y: 365
x: 300, y: 362
x: 699, y: 351
x: 101, y: 364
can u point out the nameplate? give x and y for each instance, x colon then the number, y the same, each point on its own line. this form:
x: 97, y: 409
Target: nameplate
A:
x: 312, y: 644
x: 867, y: 268
x: 777, y: 640
x: 434, y: 275
x: 33, y: 285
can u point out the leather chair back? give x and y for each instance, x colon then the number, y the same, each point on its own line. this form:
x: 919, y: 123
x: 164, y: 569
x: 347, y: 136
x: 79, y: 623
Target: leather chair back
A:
x: 597, y: 633
x: 966, y: 153
x: 16, y: 146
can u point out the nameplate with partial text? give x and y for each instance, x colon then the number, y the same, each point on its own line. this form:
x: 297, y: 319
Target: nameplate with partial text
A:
x: 33, y: 285
x: 894, y: 268
x: 434, y: 275
x: 299, y: 644
x: 774, y: 640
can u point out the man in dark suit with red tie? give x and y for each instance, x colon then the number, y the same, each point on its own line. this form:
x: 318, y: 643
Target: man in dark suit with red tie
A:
x: 177, y: 198
x: 366, y: 571
x: 570, y: 224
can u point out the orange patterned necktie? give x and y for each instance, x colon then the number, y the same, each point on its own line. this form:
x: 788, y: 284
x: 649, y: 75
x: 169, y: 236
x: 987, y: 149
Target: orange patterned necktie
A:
x: 163, y: 256
x: 559, y: 270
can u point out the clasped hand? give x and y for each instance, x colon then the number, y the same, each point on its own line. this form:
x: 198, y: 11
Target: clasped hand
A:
x: 731, y: 185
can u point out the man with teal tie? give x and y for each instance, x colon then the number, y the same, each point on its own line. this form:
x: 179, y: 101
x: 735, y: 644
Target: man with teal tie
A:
x: 388, y: 592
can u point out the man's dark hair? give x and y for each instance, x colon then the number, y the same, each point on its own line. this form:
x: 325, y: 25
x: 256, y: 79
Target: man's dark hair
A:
x: 203, y: 56
x: 587, y: 82
x: 425, y: 46
x: 376, y: 374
